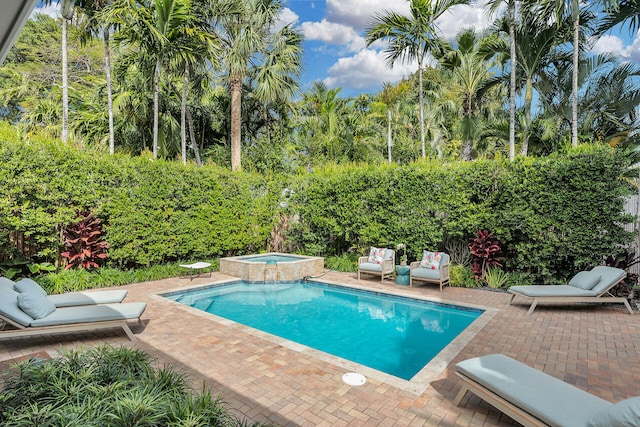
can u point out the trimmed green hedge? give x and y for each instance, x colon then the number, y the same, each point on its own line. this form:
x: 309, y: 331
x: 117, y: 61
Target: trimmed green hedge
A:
x: 153, y: 211
x: 553, y: 216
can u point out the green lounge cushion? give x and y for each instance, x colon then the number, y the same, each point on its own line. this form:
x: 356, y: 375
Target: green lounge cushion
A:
x: 544, y: 396
x: 35, y: 304
x: 534, y: 291
x: 609, y: 276
x: 625, y: 413
x: 70, y: 299
x: 6, y: 283
x: 370, y: 266
x: 9, y: 306
x: 425, y: 273
x: 585, y: 280
x: 92, y: 313
x: 28, y: 285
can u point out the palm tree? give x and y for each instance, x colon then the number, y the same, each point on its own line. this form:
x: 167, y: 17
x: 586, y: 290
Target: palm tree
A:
x: 92, y: 27
x: 153, y: 27
x: 67, y: 14
x: 511, y: 20
x: 558, y: 10
x: 389, y: 96
x: 411, y: 38
x: 470, y: 64
x: 245, y: 28
x: 275, y: 79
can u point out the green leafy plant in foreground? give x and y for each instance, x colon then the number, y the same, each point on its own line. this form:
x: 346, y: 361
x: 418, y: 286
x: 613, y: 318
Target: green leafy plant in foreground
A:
x: 495, y: 278
x: 106, y: 386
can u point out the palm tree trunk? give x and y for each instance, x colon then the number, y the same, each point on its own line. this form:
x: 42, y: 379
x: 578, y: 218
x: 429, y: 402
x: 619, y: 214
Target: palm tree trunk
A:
x: 528, y: 98
x: 192, y: 137
x: 574, y: 80
x: 65, y: 83
x: 421, y: 99
x: 107, y: 72
x: 512, y: 85
x: 183, y: 115
x: 389, y: 144
x: 236, y: 120
x: 156, y: 107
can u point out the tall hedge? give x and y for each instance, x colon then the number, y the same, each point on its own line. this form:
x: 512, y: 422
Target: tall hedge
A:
x: 152, y: 210
x: 553, y: 216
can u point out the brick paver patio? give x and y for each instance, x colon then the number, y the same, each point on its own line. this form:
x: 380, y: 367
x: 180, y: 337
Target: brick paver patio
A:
x: 265, y: 379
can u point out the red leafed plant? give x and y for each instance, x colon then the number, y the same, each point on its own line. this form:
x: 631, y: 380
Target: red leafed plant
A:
x: 485, y: 252
x: 83, y: 242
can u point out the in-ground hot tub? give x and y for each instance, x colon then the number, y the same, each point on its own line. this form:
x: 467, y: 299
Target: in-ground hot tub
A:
x: 272, y: 267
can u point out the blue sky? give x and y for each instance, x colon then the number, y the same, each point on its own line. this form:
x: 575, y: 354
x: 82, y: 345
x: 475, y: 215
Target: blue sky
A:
x: 335, y: 51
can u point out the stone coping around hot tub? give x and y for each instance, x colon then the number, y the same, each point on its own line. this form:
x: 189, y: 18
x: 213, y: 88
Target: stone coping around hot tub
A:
x: 252, y: 271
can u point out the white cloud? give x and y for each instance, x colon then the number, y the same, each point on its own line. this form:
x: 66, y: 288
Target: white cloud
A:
x: 358, y: 13
x: 461, y: 17
x: 51, y: 10
x: 615, y: 45
x: 333, y: 34
x: 609, y: 44
x: 366, y: 69
x: 287, y: 16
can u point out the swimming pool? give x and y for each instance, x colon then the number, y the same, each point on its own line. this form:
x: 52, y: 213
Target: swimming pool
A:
x: 392, y: 334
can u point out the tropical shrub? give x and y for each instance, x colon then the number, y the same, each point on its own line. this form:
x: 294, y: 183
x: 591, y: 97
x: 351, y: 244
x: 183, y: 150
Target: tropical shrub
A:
x: 485, y: 251
x: 461, y: 276
x: 83, y: 242
x: 495, y: 278
x: 106, y: 386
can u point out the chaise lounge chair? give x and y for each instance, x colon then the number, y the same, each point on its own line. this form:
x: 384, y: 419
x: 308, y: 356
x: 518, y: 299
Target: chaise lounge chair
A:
x: 32, y: 313
x: 586, y: 286
x: 534, y: 398
x: 68, y: 299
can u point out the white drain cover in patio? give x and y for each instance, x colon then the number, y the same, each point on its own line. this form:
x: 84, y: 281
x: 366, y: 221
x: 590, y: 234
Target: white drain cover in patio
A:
x: 353, y: 378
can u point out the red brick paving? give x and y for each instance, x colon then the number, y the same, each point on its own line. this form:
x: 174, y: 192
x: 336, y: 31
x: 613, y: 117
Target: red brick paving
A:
x: 596, y: 348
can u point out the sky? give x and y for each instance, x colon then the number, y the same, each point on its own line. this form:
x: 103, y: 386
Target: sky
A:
x: 335, y: 50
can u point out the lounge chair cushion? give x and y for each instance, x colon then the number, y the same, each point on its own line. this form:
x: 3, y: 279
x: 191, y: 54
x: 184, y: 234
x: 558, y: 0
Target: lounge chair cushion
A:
x: 370, y: 266
x: 425, y: 273
x: 35, y: 304
x: 608, y: 276
x: 6, y: 283
x: 70, y: 299
x: 9, y: 306
x: 28, y: 285
x: 585, y: 280
x: 622, y: 414
x: 534, y: 291
x: 431, y: 260
x: 544, y: 396
x: 92, y: 313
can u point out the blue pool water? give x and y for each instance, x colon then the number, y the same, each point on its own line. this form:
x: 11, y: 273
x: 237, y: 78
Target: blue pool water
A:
x: 272, y: 259
x: 395, y: 335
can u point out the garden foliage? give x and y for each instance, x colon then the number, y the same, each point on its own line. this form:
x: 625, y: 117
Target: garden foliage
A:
x: 106, y: 386
x: 551, y: 216
x: 151, y: 211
